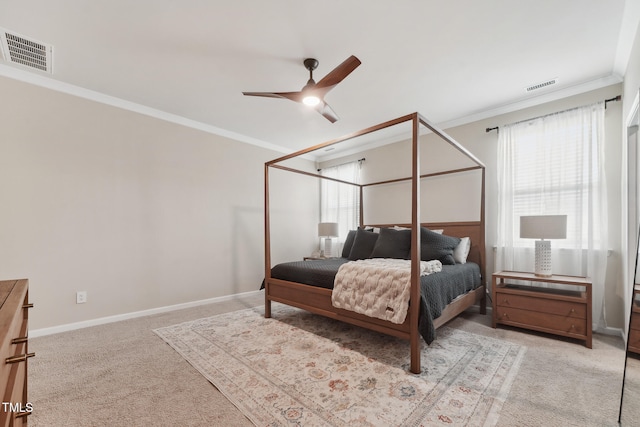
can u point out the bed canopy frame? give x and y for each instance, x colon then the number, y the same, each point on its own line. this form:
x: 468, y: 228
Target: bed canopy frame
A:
x: 318, y: 300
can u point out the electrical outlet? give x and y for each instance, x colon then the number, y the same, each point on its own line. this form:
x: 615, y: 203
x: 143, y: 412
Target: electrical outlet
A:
x: 81, y: 297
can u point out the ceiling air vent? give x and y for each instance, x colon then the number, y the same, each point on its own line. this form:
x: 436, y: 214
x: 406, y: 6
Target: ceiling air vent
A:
x: 27, y: 52
x: 541, y: 85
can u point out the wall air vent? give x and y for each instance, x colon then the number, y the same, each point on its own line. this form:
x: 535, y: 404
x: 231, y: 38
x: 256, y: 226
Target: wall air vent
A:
x: 27, y: 52
x: 541, y: 85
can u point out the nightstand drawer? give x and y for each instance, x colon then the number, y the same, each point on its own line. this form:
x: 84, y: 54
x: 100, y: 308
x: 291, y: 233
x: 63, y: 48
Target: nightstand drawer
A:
x: 543, y: 305
x: 542, y: 321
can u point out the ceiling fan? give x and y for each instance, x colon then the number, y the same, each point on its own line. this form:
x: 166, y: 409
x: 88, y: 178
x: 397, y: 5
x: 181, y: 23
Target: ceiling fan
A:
x: 312, y: 94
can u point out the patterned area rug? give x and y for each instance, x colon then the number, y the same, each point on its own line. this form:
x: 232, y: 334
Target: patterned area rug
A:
x: 302, y: 369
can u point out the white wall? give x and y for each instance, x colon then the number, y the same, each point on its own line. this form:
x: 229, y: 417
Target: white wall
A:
x: 138, y: 212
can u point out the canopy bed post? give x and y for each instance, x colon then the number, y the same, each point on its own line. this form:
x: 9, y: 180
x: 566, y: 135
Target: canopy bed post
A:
x: 483, y: 261
x: 414, y: 298
x: 361, y: 218
x: 267, y: 244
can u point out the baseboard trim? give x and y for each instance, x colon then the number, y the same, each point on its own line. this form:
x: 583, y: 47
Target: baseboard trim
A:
x: 609, y: 331
x: 125, y: 316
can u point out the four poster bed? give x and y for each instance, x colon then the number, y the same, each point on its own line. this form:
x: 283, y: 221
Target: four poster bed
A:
x: 433, y: 299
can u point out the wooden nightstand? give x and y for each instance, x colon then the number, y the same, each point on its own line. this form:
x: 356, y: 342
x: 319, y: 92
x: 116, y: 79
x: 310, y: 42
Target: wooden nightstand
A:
x: 554, y: 311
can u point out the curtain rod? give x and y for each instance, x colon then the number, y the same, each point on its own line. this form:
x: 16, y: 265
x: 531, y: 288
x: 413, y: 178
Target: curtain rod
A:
x: 615, y: 98
x: 345, y: 163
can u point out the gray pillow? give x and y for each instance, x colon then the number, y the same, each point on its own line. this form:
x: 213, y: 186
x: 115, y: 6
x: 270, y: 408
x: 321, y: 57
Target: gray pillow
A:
x: 363, y: 244
x: 393, y: 244
x: 437, y: 246
x: 348, y: 243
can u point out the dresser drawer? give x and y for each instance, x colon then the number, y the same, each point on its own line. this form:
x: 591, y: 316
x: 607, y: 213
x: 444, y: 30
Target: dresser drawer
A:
x: 543, y: 305
x: 17, y: 396
x: 15, y: 328
x: 14, y: 313
x: 635, y: 321
x: 565, y: 325
x: 634, y: 340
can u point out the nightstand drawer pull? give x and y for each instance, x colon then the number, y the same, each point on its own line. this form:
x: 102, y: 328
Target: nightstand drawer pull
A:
x: 30, y: 305
x: 505, y: 315
x: 23, y: 414
x: 19, y: 340
x: 19, y: 358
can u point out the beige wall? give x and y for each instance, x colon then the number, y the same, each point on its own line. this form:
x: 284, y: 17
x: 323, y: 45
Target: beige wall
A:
x: 139, y: 212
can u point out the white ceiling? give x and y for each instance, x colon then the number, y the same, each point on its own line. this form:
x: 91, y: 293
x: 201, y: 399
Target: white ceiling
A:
x: 452, y: 61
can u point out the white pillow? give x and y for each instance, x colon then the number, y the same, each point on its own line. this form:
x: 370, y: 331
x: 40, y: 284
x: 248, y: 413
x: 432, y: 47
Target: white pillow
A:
x: 461, y: 251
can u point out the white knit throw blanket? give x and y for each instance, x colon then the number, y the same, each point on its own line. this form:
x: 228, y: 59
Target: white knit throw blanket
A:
x: 377, y: 287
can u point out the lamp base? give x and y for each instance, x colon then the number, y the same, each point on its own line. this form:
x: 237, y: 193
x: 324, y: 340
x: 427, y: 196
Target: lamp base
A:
x: 543, y: 258
x: 327, y: 247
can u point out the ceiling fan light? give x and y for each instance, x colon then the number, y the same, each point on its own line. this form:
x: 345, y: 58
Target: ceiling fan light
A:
x: 311, y: 100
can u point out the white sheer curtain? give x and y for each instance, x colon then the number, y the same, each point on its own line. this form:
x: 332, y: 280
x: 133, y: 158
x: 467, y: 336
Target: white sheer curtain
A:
x: 554, y: 165
x: 341, y: 202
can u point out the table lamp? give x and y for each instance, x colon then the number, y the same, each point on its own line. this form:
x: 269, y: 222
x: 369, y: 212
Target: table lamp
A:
x: 543, y: 227
x: 327, y: 230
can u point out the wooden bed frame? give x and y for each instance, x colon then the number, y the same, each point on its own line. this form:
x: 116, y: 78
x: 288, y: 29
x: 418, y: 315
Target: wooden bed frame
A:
x: 318, y: 300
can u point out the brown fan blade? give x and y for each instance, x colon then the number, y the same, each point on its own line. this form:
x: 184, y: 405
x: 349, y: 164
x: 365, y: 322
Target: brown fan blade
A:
x: 326, y: 111
x: 293, y: 96
x: 338, y: 74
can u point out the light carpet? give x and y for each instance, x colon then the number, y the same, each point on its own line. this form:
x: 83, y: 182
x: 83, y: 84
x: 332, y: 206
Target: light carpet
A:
x: 302, y: 369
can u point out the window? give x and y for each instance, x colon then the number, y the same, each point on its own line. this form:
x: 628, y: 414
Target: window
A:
x: 340, y: 202
x: 554, y: 165
x: 554, y: 170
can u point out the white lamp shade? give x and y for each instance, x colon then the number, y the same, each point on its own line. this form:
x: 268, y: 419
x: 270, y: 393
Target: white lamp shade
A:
x: 328, y: 229
x: 543, y: 227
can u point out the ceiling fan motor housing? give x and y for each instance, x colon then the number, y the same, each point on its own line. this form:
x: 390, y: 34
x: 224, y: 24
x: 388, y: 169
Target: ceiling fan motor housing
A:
x: 310, y: 64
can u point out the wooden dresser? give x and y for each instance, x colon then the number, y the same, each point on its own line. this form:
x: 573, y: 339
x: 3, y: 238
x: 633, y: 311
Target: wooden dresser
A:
x: 634, y: 324
x: 554, y: 311
x: 14, y: 353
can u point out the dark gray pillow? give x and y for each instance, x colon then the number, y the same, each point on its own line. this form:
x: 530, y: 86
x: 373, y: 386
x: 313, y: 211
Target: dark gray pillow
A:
x: 363, y: 244
x: 437, y: 246
x: 393, y: 244
x: 348, y: 243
